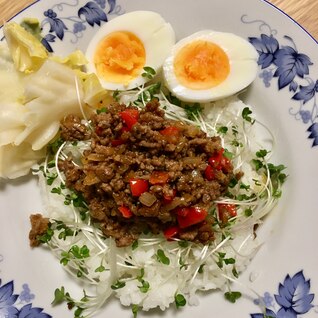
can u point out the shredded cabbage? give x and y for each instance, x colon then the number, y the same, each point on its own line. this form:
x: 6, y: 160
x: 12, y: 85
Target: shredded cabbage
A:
x: 50, y: 94
x: 36, y: 92
x: 94, y: 93
x: 16, y: 161
x: 26, y: 50
x: 74, y: 60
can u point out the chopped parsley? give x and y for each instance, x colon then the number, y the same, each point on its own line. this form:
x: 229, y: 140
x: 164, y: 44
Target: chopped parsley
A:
x: 193, y: 111
x: 200, y: 270
x: 235, y: 272
x: 278, y: 177
x: 116, y: 95
x: 119, y: 284
x: 174, y: 100
x: 162, y: 258
x: 149, y: 72
x: 144, y: 284
x: 61, y: 296
x: 75, y: 252
x: 65, y: 231
x: 100, y: 269
x: 276, y: 172
x: 180, y: 300
x: 232, y: 296
x: 246, y: 115
x: 47, y: 236
x: 183, y: 243
x: 248, y: 212
x: 54, y: 146
x: 258, y: 164
x: 134, y: 245
x: 135, y: 308
x: 73, y: 198
x: 222, y: 130
x: 148, y: 94
x: 261, y: 153
x: 101, y: 110
x: 224, y: 261
x: 244, y: 186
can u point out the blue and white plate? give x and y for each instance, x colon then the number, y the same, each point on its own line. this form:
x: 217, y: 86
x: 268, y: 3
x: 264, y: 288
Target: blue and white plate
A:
x: 285, y: 96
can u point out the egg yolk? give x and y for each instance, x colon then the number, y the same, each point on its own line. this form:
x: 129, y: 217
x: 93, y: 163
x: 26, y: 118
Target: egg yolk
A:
x: 201, y: 65
x: 120, y: 57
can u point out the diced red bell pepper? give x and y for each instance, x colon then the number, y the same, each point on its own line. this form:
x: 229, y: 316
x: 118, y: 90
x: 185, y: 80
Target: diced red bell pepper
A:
x: 190, y: 216
x: 170, y: 131
x: 126, y: 212
x: 226, y: 164
x: 130, y: 117
x: 99, y: 131
x: 117, y: 142
x: 171, y: 232
x: 168, y: 198
x: 171, y: 134
x: 220, y: 162
x: 138, y: 186
x: 124, y: 129
x: 209, y: 173
x: 226, y: 211
x: 183, y: 211
x: 159, y: 177
x: 215, y: 160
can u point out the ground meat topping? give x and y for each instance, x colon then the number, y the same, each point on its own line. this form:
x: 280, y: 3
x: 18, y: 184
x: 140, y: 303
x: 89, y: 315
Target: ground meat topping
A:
x: 39, y: 226
x: 72, y: 129
x: 144, y: 172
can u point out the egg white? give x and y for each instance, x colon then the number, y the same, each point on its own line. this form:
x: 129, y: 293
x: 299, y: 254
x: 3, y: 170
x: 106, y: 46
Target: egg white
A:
x: 155, y: 33
x: 243, y: 67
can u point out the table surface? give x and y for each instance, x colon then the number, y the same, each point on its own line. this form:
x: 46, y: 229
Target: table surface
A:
x: 305, y: 12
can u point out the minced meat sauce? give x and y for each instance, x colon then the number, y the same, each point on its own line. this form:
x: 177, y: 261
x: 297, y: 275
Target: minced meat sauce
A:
x: 146, y: 173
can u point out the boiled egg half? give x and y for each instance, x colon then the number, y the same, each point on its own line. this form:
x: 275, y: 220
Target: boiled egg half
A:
x: 122, y: 47
x: 210, y: 65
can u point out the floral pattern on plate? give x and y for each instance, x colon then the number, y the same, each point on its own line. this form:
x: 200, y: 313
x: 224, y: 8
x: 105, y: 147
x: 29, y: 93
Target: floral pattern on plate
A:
x: 277, y: 61
x: 291, y: 68
x: 90, y: 14
x: 293, y: 299
x: 18, y: 305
